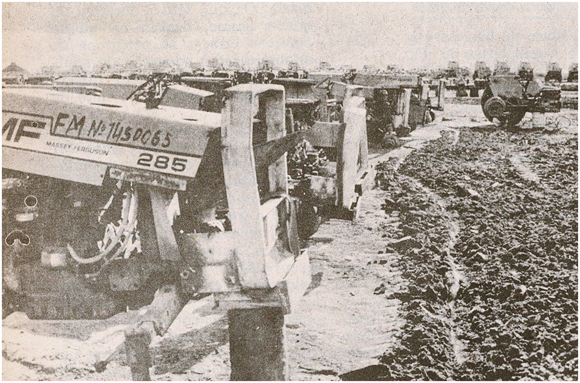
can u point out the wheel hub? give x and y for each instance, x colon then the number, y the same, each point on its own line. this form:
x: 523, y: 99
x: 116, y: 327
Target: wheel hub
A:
x: 495, y: 107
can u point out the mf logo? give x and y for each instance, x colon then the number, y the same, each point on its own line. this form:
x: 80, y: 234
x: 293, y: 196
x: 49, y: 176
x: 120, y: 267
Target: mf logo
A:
x: 17, y: 125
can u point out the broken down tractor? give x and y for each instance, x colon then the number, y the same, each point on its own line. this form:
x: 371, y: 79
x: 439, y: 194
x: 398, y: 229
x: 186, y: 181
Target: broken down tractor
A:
x: 508, y: 98
x: 109, y: 204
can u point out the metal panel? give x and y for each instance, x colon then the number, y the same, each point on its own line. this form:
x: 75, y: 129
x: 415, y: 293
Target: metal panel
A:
x: 181, y: 96
x: 53, y: 166
x: 257, y: 268
x: 110, y: 87
x: 297, y: 89
x: 387, y: 80
x: 166, y: 140
x: 325, y: 134
x: 242, y: 188
x: 354, y: 146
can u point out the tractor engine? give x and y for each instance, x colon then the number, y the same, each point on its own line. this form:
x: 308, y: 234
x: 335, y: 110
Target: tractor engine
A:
x: 74, y: 251
x: 508, y: 98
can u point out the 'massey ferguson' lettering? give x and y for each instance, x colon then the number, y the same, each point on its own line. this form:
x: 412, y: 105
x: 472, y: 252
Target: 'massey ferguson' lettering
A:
x: 111, y: 132
x: 66, y: 147
x: 26, y: 128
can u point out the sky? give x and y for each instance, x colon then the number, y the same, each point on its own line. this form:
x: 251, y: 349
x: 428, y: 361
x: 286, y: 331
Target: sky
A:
x: 411, y: 35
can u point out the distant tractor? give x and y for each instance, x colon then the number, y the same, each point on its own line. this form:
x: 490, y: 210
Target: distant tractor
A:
x: 508, y: 98
x: 266, y: 66
x: 456, y: 78
x: 219, y: 73
x: 293, y: 71
x: 501, y: 68
x: 243, y: 77
x: 481, y: 77
x: 573, y: 73
x: 554, y: 73
x: 525, y: 71
x: 265, y: 73
x: 452, y: 74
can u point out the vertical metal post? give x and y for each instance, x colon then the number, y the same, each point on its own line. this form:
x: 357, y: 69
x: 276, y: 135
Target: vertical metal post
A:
x: 241, y: 185
x: 441, y: 95
x: 137, y: 349
x: 257, y: 341
x: 257, y: 344
x: 406, y: 105
x: 353, y: 152
x: 425, y: 92
x: 398, y: 115
x: 401, y: 116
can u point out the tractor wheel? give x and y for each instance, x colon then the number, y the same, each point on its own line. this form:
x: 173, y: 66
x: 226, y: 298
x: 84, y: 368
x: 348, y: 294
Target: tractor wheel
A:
x: 515, y: 117
x: 494, y: 107
x: 308, y: 220
x: 487, y: 94
x: 474, y: 92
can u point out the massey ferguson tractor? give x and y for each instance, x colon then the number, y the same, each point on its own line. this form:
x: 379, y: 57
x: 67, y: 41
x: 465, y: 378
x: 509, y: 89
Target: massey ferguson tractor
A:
x: 508, y: 98
x: 304, y: 106
x: 109, y: 204
x: 329, y: 168
x: 525, y: 71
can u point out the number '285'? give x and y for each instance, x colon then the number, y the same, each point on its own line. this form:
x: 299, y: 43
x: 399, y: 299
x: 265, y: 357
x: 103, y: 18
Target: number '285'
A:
x: 162, y: 162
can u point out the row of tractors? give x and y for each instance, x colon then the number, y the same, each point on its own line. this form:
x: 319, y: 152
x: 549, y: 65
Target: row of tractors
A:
x: 147, y: 194
x: 507, y: 96
x: 458, y: 78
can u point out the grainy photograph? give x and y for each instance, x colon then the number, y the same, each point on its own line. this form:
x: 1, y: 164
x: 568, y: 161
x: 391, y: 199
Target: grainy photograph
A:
x: 289, y: 191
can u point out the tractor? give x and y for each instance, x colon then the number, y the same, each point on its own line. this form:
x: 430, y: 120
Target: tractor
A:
x: 554, y: 73
x: 508, y: 98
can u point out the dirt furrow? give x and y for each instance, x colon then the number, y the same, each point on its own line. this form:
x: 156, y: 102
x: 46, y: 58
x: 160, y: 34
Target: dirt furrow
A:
x: 517, y: 212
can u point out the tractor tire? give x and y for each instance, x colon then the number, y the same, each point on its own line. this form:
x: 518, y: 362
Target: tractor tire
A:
x: 308, y: 220
x: 487, y: 94
x: 515, y: 117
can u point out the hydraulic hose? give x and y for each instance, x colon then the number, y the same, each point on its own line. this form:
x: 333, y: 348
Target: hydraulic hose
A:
x: 128, y: 224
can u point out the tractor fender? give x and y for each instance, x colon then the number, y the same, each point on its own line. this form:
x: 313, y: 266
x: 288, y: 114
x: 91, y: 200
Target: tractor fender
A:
x: 507, y: 87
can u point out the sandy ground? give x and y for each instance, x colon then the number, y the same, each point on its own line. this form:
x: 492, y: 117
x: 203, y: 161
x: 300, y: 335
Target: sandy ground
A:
x: 341, y: 325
